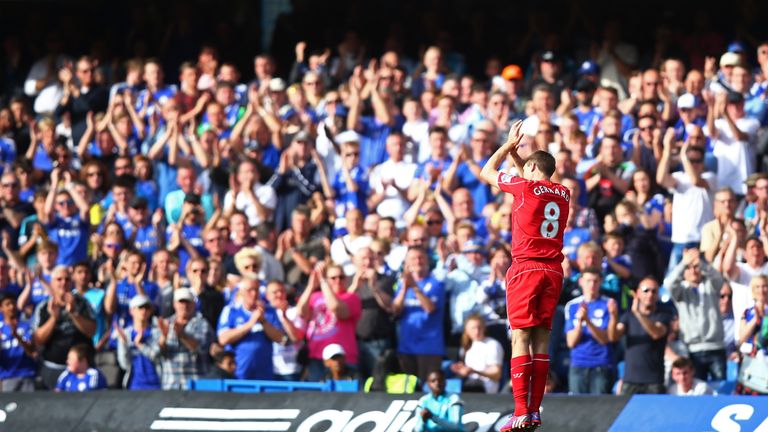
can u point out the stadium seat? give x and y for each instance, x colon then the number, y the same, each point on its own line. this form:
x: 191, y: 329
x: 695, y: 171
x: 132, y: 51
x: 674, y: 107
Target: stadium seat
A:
x: 212, y: 385
x: 726, y: 387
x: 347, y: 386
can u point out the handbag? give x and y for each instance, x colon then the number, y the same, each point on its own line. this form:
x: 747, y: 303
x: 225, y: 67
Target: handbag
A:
x: 753, y: 372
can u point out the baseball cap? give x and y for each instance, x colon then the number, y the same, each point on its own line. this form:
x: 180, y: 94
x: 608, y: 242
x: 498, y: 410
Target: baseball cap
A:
x: 686, y: 101
x: 585, y: 85
x: 183, y: 294
x: 347, y: 136
x: 138, y: 301
x: 511, y: 72
x: 276, y: 84
x: 473, y: 245
x: 332, y: 351
x: 589, y: 68
x: 730, y: 59
x: 736, y: 47
x: 734, y: 97
x: 139, y: 203
x: 548, y: 56
x: 753, y: 178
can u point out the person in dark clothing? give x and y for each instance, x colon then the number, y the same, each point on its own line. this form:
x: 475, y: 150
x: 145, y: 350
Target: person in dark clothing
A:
x: 375, y: 332
x: 61, y: 322
x: 224, y: 367
x: 209, y: 301
x: 296, y: 179
x: 646, y: 327
x: 641, y: 242
x: 81, y: 95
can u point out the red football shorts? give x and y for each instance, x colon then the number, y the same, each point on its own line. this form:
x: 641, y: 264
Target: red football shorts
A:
x: 533, y: 289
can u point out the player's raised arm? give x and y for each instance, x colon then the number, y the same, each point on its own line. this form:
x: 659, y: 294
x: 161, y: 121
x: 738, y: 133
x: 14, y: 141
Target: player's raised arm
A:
x: 490, y: 172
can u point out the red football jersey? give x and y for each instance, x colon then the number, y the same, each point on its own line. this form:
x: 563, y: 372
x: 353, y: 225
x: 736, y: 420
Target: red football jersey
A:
x: 539, y: 215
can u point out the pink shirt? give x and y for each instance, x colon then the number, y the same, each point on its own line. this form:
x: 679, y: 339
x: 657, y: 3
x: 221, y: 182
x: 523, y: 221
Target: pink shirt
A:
x: 324, y: 328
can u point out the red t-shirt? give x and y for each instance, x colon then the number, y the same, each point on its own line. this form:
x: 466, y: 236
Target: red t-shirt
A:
x: 539, y: 215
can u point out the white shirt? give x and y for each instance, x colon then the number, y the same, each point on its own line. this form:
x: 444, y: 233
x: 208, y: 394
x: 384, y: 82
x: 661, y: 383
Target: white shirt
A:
x: 691, y: 207
x: 735, y: 159
x: 48, y: 99
x: 285, y: 358
x: 747, y: 272
x: 328, y: 153
x: 699, y: 388
x: 344, y: 248
x: 741, y: 301
x: 418, y: 137
x: 266, y: 196
x: 394, y: 204
x: 481, y: 355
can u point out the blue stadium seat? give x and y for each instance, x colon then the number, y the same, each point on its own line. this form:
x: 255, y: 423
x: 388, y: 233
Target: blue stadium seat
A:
x: 261, y: 386
x: 726, y: 387
x: 347, y: 386
x: 212, y: 385
x: 732, y: 371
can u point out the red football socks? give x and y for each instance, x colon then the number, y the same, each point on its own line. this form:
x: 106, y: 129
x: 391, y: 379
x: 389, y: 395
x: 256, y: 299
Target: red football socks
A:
x: 538, y: 380
x: 520, y: 370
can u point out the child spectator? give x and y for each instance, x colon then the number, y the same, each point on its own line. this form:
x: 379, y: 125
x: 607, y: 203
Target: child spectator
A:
x: 79, y: 375
x: 223, y: 366
x: 616, y: 261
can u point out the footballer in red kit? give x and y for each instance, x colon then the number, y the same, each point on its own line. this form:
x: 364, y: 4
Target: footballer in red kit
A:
x: 535, y: 278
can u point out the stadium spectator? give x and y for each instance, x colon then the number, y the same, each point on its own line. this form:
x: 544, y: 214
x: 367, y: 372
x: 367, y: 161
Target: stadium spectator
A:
x: 250, y: 196
x: 331, y: 313
x: 345, y: 247
x: 224, y: 366
x: 250, y: 328
x: 79, y: 376
x: 439, y: 410
x: 61, y: 322
x: 68, y: 226
x: 334, y: 360
x: 685, y: 382
x: 695, y: 287
x: 134, y: 342
x: 285, y: 358
x: 587, y: 319
x: 375, y: 332
x: 298, y: 249
x: 691, y: 189
x: 17, y: 351
x: 713, y: 232
x: 480, y: 358
x: 645, y: 327
x: 181, y: 343
x: 419, y: 305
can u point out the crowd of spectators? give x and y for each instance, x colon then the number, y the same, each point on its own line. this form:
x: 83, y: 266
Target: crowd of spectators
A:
x: 331, y: 222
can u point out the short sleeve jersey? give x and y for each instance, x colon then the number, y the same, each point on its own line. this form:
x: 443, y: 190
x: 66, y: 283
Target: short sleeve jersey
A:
x: 539, y: 216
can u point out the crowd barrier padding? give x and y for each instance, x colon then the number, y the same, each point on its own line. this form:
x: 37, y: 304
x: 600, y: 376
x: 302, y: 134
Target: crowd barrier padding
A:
x: 298, y: 411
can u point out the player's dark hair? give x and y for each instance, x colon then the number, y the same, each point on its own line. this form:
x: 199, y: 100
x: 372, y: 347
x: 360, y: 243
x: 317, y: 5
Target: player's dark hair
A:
x: 544, y: 162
